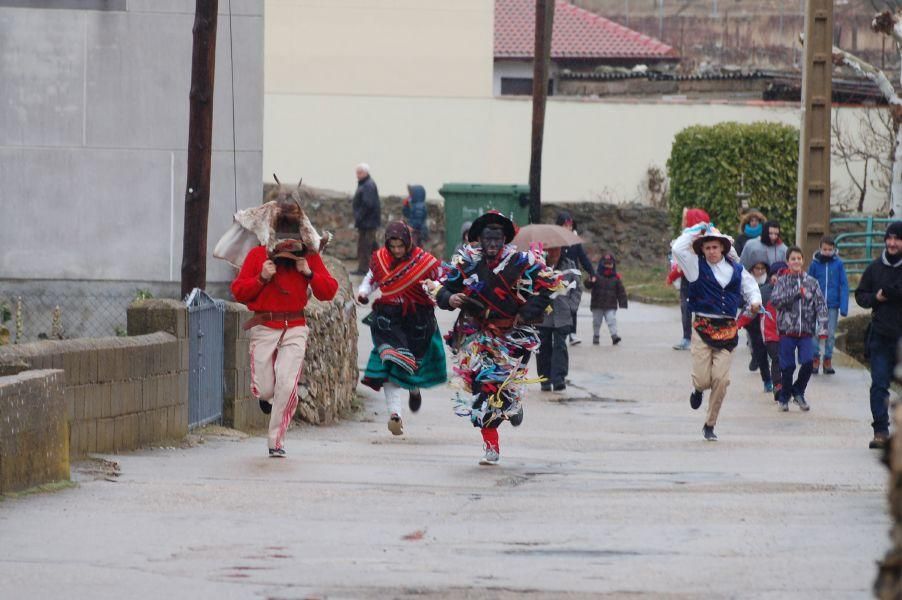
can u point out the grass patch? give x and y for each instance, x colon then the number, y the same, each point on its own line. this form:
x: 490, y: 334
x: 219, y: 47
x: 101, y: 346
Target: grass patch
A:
x: 648, y: 284
x: 44, y: 488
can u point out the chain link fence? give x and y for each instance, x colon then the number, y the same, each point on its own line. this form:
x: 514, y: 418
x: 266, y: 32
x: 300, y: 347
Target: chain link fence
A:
x: 66, y: 310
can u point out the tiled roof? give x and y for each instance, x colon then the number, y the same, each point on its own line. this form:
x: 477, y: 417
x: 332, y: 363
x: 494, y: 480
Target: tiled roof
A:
x: 577, y: 33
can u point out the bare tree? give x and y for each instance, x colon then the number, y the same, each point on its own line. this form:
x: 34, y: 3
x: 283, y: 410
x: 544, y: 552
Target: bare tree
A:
x: 890, y: 25
x: 868, y: 146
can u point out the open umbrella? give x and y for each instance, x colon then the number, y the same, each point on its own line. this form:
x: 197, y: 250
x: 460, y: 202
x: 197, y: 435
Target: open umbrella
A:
x: 550, y: 236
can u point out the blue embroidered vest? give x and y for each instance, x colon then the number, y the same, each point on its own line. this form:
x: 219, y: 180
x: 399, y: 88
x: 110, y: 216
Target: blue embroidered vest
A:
x: 708, y: 297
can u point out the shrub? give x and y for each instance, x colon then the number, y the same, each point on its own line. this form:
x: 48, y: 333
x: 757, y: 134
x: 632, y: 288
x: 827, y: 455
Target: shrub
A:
x: 707, y: 164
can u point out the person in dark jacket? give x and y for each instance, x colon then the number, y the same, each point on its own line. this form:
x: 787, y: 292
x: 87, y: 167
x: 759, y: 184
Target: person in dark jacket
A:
x: 880, y: 289
x: 577, y: 255
x: 608, y: 294
x: 367, y: 217
x: 552, y: 359
x: 414, y: 210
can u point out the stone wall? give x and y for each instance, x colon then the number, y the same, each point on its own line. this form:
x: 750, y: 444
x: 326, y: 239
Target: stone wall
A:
x: 329, y: 380
x: 636, y: 234
x: 119, y: 393
x: 327, y: 389
x: 34, y: 435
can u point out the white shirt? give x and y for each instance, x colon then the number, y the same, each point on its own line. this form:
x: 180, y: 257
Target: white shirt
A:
x: 689, y: 261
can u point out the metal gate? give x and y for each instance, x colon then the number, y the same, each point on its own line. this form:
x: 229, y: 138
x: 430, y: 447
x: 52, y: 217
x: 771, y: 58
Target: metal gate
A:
x: 860, y: 253
x: 205, y: 347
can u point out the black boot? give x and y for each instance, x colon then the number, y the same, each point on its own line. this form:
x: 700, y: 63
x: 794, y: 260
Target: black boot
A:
x: 415, y: 400
x: 695, y: 399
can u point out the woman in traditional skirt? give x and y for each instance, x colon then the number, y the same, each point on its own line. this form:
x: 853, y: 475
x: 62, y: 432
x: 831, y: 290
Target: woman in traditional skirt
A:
x: 407, y: 347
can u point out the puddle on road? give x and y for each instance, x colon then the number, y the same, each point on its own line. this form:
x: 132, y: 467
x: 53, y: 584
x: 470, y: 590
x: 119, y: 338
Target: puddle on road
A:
x: 592, y: 398
x: 574, y: 552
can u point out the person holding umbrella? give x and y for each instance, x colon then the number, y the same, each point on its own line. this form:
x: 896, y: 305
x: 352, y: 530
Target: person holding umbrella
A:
x: 553, y: 359
x: 577, y: 255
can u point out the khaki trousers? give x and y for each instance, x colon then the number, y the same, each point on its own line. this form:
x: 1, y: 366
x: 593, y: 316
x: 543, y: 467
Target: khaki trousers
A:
x: 275, y: 370
x: 710, y: 371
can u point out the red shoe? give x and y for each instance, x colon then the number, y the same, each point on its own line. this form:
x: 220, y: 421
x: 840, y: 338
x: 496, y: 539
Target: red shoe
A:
x: 816, y: 365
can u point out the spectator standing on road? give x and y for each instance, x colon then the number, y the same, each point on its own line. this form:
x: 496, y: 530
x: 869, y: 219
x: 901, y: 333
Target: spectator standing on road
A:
x: 608, y: 294
x: 769, y: 248
x: 577, y: 255
x: 414, y: 210
x: 367, y: 217
x: 880, y: 289
x: 718, y: 288
x: 552, y: 359
x: 801, y: 316
x: 750, y: 227
x: 828, y: 268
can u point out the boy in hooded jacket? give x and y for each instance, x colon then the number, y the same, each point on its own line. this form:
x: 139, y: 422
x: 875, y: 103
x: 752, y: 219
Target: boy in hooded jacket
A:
x: 830, y: 273
x: 608, y: 294
x: 801, y: 315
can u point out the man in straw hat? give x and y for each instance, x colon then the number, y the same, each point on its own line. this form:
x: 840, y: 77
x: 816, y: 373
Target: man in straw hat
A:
x: 501, y: 293
x: 718, y: 288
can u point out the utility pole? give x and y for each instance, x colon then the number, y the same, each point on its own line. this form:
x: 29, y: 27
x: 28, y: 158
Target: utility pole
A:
x: 200, y: 138
x: 541, y: 58
x: 813, y: 195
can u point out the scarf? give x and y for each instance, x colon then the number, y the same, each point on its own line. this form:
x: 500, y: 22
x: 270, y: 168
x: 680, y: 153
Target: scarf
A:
x: 891, y: 261
x: 753, y: 232
x: 399, y: 279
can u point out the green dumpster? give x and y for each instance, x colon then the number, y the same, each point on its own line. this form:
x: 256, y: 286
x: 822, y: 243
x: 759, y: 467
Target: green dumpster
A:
x: 466, y: 201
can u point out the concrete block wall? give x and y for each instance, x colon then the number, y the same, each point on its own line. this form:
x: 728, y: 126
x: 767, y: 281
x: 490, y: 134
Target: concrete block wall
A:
x: 328, y: 385
x: 34, y: 434
x: 240, y: 409
x: 120, y: 393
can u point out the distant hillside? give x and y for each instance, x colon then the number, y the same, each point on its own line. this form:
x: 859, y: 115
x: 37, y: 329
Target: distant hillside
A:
x: 745, y: 33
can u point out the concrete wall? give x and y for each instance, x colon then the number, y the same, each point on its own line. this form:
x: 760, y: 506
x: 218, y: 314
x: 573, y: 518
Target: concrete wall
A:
x: 118, y: 393
x: 595, y: 150
x: 34, y: 436
x: 93, y: 136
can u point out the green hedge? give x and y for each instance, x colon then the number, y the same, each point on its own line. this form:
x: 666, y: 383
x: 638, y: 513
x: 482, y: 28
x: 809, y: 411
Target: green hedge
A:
x: 706, y: 164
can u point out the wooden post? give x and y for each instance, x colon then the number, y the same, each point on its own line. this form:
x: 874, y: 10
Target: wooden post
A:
x: 813, y: 196
x: 200, y: 139
x: 541, y: 57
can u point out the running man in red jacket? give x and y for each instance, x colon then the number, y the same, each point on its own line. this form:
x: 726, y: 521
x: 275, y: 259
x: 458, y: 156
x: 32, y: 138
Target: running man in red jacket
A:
x: 274, y: 284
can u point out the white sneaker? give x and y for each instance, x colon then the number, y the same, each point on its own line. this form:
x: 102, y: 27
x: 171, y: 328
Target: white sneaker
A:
x: 575, y: 340
x: 395, y: 425
x: 492, y: 457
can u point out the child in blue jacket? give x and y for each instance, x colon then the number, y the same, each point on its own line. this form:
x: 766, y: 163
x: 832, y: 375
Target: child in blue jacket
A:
x: 830, y: 273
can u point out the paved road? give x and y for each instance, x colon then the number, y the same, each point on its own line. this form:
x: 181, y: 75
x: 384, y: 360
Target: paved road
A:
x: 608, y: 491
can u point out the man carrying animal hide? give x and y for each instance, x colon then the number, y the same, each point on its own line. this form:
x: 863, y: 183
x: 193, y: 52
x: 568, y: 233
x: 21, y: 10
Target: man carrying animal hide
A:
x: 273, y: 282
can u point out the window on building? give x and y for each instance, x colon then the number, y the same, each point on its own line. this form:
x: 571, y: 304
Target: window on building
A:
x: 521, y: 86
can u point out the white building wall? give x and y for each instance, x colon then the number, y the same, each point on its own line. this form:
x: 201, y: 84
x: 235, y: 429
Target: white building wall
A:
x: 594, y: 150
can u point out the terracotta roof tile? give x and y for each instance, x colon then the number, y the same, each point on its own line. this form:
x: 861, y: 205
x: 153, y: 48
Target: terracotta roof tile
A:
x: 577, y: 33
